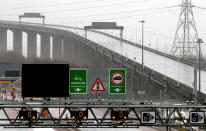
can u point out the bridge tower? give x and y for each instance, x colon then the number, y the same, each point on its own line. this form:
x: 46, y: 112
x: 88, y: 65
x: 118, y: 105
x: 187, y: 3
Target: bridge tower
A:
x: 186, y: 37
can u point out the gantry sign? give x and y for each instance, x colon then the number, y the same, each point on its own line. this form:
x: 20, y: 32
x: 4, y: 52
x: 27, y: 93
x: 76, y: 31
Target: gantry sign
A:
x: 120, y: 116
x: 98, y: 83
x: 104, y: 26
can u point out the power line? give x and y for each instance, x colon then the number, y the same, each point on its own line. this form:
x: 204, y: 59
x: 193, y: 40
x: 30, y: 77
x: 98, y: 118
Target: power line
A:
x: 66, y: 3
x: 131, y: 11
x: 121, y: 17
x: 203, y: 8
x: 106, y: 5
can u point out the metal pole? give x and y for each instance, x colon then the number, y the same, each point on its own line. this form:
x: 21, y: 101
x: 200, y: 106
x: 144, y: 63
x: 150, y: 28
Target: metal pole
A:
x: 85, y: 33
x: 195, y: 83
x: 199, y: 72
x: 142, y: 21
x: 199, y: 44
x: 121, y: 34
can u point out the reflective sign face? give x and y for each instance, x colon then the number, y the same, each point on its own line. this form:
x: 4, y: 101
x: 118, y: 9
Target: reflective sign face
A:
x: 148, y: 117
x: 117, y: 78
x: 98, y: 86
x: 78, y: 81
x: 97, y: 83
x: 197, y: 117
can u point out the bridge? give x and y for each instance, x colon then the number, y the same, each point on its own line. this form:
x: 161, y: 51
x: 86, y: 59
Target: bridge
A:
x: 170, y: 78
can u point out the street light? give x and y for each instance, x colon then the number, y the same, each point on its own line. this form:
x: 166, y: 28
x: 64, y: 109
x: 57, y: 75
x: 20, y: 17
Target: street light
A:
x: 142, y: 21
x: 199, y: 41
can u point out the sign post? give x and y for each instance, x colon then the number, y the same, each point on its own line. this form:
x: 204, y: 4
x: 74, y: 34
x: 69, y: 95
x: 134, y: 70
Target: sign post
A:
x: 117, y: 81
x: 78, y: 81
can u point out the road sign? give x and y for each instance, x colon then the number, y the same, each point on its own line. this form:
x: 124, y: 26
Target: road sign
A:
x: 117, y: 81
x: 78, y: 81
x: 98, y: 86
x: 197, y: 117
x: 148, y: 117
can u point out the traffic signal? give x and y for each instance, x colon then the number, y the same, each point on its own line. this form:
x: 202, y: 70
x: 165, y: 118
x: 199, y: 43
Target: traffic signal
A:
x: 27, y: 115
x: 197, y: 117
x: 119, y: 115
x: 80, y: 115
x: 148, y: 117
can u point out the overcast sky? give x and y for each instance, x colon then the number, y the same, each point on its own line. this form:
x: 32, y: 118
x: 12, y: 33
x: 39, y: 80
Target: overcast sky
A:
x: 160, y: 23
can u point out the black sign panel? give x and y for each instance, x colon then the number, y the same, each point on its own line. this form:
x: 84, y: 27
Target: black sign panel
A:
x: 79, y: 114
x: 11, y: 73
x: 45, y: 80
x: 119, y: 115
x: 27, y: 115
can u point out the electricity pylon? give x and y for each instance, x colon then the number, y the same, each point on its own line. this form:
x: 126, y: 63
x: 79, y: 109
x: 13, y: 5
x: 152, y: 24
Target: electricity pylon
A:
x: 186, y: 37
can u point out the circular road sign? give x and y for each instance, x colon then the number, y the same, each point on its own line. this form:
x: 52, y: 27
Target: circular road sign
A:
x: 117, y: 78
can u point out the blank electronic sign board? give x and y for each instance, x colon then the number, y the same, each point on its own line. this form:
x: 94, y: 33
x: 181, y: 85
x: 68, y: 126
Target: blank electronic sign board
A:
x: 11, y: 73
x: 45, y: 80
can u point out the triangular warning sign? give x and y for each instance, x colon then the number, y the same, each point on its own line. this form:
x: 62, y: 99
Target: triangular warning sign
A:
x: 98, y: 86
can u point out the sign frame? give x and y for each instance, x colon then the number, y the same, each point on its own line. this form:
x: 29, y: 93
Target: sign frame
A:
x: 70, y: 79
x: 120, y: 84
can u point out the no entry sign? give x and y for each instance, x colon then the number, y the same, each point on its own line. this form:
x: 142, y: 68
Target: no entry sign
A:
x: 117, y: 78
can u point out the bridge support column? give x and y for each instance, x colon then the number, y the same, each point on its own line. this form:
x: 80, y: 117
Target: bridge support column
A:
x: 76, y: 52
x: 90, y: 56
x: 45, y: 46
x: 17, y: 42
x: 31, y: 44
x: 3, y: 41
x: 57, y: 48
x: 68, y: 49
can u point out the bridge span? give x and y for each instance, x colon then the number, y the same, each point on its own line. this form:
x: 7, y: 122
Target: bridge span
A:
x: 162, y: 71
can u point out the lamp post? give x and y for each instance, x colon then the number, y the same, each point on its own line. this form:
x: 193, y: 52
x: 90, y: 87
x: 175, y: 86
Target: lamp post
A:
x: 142, y: 21
x: 199, y: 41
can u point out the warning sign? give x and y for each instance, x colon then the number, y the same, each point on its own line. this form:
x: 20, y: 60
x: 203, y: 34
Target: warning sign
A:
x: 98, y: 86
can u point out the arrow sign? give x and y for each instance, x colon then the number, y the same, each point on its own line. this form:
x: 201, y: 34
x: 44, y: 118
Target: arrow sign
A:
x: 98, y: 86
x: 117, y: 89
x: 77, y: 89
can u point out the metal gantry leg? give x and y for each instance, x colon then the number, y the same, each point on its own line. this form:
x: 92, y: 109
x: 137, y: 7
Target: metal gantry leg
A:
x: 94, y: 115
